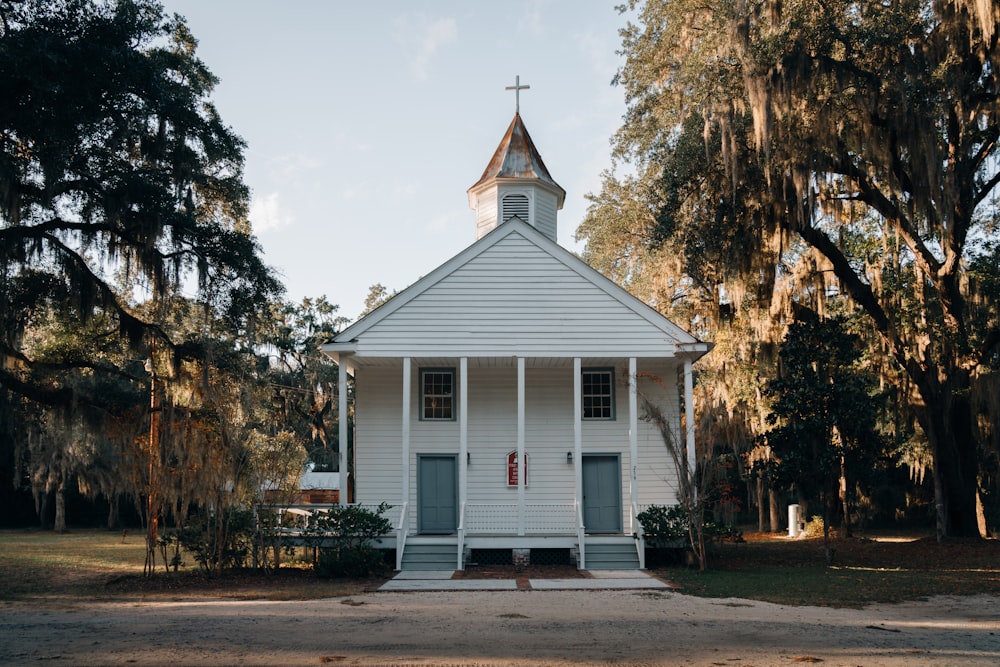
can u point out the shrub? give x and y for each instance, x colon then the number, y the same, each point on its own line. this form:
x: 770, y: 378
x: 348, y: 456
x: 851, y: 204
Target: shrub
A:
x: 218, y: 541
x: 814, y: 527
x: 667, y: 526
x: 664, y: 526
x: 346, y: 538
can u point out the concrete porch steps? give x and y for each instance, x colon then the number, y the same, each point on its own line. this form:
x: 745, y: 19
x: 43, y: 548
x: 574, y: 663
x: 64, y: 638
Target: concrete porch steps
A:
x: 612, y: 556
x: 430, y: 554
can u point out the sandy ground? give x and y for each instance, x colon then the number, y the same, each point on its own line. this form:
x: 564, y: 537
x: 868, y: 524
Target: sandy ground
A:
x: 502, y: 628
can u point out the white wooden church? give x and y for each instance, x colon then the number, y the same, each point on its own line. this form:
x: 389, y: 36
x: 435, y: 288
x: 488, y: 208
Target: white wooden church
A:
x: 497, y: 398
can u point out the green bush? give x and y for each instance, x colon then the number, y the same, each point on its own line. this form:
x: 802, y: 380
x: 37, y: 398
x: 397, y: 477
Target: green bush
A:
x: 346, y: 538
x: 664, y: 526
x: 218, y: 541
x: 667, y: 526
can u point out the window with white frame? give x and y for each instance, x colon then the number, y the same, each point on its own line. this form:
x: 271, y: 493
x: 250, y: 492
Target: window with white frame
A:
x: 598, y: 385
x: 437, y: 394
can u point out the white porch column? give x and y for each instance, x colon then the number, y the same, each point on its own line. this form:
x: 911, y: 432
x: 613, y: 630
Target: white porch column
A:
x: 520, y: 447
x: 633, y: 437
x: 463, y: 431
x: 578, y: 430
x: 342, y: 429
x: 405, y: 486
x: 689, y: 423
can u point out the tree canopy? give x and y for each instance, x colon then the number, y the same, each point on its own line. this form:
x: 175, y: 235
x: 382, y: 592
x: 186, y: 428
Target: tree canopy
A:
x: 823, y: 414
x: 118, y: 179
x: 131, y: 286
x: 815, y: 151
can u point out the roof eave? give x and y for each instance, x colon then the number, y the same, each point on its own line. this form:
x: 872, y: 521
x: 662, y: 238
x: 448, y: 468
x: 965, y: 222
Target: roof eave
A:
x: 488, y: 183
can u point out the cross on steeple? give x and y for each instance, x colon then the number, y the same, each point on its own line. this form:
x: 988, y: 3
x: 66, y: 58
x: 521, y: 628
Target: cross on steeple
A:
x: 517, y: 88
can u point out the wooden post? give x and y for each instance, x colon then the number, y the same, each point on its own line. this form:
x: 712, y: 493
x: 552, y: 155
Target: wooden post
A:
x: 342, y: 431
x: 521, y: 472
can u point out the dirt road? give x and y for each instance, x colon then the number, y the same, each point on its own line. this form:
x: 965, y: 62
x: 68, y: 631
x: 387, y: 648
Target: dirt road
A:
x: 501, y: 628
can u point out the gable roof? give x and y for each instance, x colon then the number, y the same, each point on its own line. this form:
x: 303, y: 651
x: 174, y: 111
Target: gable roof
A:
x: 515, y: 292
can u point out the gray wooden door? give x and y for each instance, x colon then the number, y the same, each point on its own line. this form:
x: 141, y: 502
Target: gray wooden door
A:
x: 437, y: 496
x: 602, y: 497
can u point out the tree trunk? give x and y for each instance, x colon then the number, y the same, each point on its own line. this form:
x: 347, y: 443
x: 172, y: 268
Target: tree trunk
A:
x: 803, y: 503
x: 760, y: 502
x: 981, y: 515
x: 946, y: 418
x: 60, y: 523
x: 113, y: 513
x: 844, y: 498
x: 828, y: 550
x: 775, y: 507
x: 42, y: 507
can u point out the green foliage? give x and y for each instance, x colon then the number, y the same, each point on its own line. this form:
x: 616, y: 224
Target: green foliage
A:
x: 357, y: 561
x: 303, y: 379
x: 119, y: 181
x: 801, y: 153
x: 664, y: 526
x: 824, y: 411
x: 117, y: 177
x: 346, y: 535
x: 274, y: 463
x: 669, y: 527
x: 218, y: 541
x: 378, y: 294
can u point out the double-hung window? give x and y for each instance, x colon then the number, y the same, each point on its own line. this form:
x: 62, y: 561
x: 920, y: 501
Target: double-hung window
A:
x: 437, y: 394
x: 598, y: 386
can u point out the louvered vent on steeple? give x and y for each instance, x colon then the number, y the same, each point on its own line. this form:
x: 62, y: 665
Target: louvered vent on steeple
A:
x: 515, y: 205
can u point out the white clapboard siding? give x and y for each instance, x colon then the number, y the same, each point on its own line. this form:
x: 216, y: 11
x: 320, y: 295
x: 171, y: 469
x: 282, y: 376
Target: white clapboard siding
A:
x: 486, y: 212
x: 546, y: 204
x: 377, y: 436
x: 657, y: 476
x: 492, y: 432
x: 512, y: 292
x: 515, y: 298
x: 540, y: 210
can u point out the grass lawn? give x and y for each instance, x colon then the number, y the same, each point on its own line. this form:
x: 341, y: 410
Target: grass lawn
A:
x: 880, y: 569
x: 97, y: 564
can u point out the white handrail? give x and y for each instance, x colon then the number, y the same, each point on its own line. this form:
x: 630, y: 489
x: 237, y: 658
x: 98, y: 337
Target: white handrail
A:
x: 640, y: 537
x: 461, y: 535
x: 582, y: 559
x: 401, y: 531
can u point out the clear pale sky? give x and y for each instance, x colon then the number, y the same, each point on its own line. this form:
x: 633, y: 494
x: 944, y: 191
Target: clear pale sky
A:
x: 366, y: 122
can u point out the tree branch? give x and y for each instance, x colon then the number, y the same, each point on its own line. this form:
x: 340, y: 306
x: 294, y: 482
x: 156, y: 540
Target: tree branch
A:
x: 863, y: 295
x: 128, y: 323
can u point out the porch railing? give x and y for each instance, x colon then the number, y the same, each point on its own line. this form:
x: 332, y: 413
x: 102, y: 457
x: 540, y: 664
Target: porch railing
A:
x: 402, y: 529
x: 640, y: 538
x: 461, y: 536
x: 501, y: 519
x: 580, y: 530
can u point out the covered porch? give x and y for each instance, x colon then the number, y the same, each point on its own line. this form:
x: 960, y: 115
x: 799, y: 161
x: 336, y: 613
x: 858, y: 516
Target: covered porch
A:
x: 485, y: 518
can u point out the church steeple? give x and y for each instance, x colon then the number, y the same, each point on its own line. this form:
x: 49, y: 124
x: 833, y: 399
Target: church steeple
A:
x: 516, y: 183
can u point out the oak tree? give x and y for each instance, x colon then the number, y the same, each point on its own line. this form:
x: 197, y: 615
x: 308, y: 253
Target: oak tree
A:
x: 821, y: 123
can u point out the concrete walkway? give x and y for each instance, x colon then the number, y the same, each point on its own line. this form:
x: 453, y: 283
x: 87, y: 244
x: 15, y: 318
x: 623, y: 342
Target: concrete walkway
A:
x: 416, y: 580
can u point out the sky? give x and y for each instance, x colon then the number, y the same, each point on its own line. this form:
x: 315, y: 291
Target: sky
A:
x: 367, y: 121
